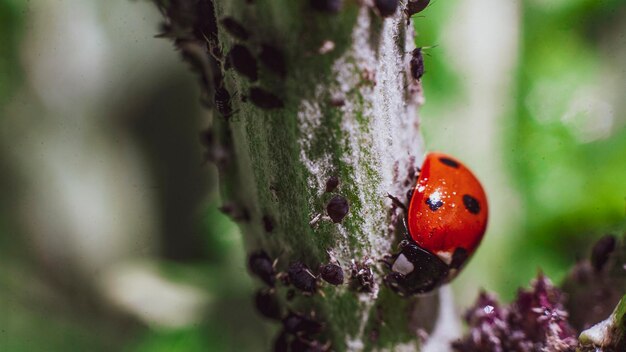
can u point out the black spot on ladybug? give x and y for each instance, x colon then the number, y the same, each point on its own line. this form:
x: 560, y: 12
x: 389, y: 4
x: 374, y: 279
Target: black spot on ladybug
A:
x: 459, y: 257
x: 337, y: 208
x: 415, y: 6
x: 417, y: 64
x: 332, y: 273
x: 243, y: 62
x: 268, y: 223
x: 264, y: 99
x: 267, y: 304
x: 601, y: 251
x: 295, y: 323
x: 331, y: 6
x: 301, y: 277
x: 386, y: 8
x: 434, y: 203
x: 471, y: 204
x: 332, y: 183
x: 260, y: 264
x: 234, y: 28
x: 223, y: 102
x: 273, y: 59
x: 449, y: 162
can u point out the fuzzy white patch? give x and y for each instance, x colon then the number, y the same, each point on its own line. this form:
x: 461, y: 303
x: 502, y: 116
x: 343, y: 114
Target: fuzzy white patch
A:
x: 402, y: 265
x: 380, y: 137
x: 445, y: 256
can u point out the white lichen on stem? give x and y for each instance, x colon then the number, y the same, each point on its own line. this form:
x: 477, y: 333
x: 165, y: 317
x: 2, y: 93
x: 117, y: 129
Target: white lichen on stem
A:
x: 379, y: 129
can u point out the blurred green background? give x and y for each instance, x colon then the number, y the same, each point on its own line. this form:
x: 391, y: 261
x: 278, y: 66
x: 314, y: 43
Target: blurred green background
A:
x: 110, y: 237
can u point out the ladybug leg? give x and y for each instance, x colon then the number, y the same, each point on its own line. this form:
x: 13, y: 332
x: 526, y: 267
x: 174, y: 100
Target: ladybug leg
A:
x: 388, y: 260
x: 408, y: 239
x: 397, y: 202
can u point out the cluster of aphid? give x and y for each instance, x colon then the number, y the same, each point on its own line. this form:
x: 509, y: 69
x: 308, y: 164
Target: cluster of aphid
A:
x: 300, y: 332
x: 245, y: 62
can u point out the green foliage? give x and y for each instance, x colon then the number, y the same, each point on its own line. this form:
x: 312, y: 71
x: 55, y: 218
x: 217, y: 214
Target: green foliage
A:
x: 571, y: 182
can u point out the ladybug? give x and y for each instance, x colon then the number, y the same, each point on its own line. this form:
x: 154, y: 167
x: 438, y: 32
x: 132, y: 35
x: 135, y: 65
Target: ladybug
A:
x: 446, y: 220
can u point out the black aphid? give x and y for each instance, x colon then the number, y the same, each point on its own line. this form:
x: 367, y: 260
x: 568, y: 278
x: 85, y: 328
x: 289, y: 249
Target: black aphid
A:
x: 243, y: 62
x: 268, y: 223
x: 267, y: 304
x: 302, y: 278
x: 417, y: 64
x: 386, y: 8
x: 332, y: 273
x: 415, y: 6
x: 234, y: 28
x: 332, y: 183
x: 601, y: 251
x: 337, y: 208
x: 264, y: 99
x: 331, y: 6
x: 262, y: 266
x: 273, y: 59
x: 295, y: 323
x: 223, y: 102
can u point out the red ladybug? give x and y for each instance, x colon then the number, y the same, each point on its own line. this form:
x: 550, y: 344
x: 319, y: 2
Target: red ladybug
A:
x: 447, y: 217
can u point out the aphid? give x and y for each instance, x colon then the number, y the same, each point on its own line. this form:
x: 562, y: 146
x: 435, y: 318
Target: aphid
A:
x: 264, y: 99
x: 268, y: 223
x: 295, y: 323
x: 243, y: 62
x: 223, y: 102
x: 235, y: 28
x: 331, y: 6
x: 386, y: 8
x: 260, y: 264
x: 337, y: 208
x: 301, y: 344
x: 237, y: 213
x: 337, y: 101
x: 447, y: 218
x: 415, y: 6
x: 332, y: 183
x: 332, y: 273
x: 362, y: 275
x: 273, y: 59
x: 602, y: 251
x: 291, y: 294
x: 301, y: 277
x: 281, y: 343
x: 417, y: 64
x: 267, y: 304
